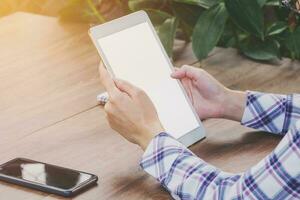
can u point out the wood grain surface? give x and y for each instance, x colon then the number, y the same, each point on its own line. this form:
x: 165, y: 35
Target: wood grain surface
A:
x: 48, y: 110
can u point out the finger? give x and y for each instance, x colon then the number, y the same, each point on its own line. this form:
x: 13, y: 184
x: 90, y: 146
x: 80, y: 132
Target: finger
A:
x: 109, y: 108
x: 126, y: 87
x: 106, y: 79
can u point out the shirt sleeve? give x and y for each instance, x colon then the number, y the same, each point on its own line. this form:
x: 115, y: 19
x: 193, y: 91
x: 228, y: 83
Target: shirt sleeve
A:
x: 187, y: 177
x: 270, y: 112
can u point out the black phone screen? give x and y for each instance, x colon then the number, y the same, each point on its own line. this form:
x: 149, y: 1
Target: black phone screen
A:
x: 44, y: 174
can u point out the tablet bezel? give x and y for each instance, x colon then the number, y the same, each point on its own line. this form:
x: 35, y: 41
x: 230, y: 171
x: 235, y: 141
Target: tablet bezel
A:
x: 131, y: 20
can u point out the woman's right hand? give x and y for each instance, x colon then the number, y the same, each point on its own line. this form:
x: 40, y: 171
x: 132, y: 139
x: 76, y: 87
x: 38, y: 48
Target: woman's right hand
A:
x: 209, y: 97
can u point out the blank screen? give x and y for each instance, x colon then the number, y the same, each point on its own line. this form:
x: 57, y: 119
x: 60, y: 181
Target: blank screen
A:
x: 135, y: 55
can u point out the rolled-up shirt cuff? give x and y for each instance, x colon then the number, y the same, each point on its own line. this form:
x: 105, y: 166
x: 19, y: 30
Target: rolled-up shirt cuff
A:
x: 160, y: 154
x: 264, y: 111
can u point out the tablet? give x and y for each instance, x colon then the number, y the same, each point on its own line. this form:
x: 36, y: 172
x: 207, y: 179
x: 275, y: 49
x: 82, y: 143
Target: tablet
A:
x: 131, y: 50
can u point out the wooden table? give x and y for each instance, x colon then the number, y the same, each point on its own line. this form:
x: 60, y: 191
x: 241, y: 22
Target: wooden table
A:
x: 48, y: 111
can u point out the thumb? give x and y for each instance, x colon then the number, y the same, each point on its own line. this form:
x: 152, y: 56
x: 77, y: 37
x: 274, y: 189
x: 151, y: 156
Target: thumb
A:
x: 185, y: 72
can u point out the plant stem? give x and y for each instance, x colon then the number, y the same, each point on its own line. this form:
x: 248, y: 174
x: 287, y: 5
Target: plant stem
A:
x: 95, y: 11
x: 236, y: 35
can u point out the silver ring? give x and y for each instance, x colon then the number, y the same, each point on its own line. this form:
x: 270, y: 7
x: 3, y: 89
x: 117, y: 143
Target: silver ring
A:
x: 103, y: 98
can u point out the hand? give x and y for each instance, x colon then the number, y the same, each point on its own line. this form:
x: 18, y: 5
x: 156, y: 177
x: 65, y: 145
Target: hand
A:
x: 130, y: 111
x: 209, y: 97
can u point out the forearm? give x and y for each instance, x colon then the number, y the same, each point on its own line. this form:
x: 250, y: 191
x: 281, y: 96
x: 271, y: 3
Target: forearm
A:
x: 268, y: 112
x: 188, y: 177
x: 273, y: 113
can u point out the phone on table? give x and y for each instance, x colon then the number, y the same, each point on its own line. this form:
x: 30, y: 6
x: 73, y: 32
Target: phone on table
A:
x: 46, y: 177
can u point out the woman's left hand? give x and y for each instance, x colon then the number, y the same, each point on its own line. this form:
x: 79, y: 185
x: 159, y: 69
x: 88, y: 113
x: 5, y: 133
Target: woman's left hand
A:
x: 130, y: 111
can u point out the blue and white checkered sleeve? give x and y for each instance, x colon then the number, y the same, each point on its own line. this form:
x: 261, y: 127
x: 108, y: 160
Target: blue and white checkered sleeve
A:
x: 270, y: 112
x: 188, y: 177
x: 182, y: 173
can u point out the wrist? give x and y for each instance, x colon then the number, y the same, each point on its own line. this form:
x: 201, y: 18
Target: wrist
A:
x: 234, y: 104
x: 148, y: 134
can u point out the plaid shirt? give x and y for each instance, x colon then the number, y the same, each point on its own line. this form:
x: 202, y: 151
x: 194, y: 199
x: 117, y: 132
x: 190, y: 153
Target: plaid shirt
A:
x: 277, y: 176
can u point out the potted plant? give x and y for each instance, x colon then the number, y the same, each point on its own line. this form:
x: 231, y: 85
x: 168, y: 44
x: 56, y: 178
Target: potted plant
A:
x: 260, y: 29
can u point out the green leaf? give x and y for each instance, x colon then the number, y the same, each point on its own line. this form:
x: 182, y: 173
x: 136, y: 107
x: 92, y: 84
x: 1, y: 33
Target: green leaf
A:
x: 229, y: 37
x: 135, y: 5
x: 261, y: 50
x: 167, y: 33
x: 277, y: 28
x: 187, y: 13
x: 261, y: 2
x: 273, y: 3
x: 293, y: 43
x: 188, y: 16
x: 157, y: 17
x: 203, y: 3
x: 247, y: 15
x: 208, y: 30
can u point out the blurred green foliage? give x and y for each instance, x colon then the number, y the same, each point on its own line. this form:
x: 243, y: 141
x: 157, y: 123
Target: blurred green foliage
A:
x: 93, y: 11
x: 259, y: 29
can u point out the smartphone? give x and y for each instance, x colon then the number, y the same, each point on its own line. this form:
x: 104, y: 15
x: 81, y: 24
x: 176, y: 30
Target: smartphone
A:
x: 46, y: 177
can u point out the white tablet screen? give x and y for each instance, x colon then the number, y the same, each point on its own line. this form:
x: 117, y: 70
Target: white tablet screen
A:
x: 134, y: 55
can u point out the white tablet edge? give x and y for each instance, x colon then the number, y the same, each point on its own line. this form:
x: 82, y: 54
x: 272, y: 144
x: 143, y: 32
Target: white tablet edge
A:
x: 131, y: 20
